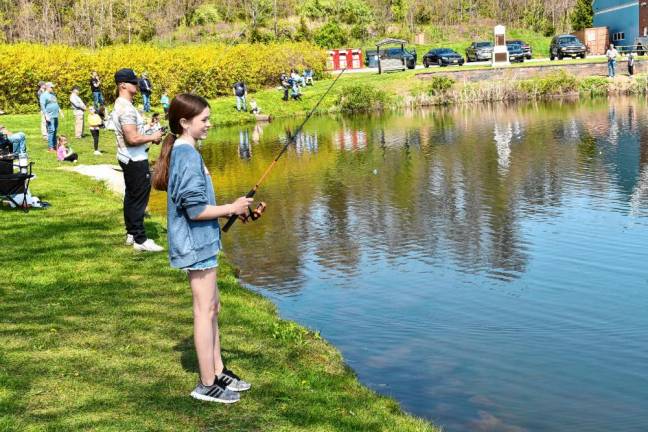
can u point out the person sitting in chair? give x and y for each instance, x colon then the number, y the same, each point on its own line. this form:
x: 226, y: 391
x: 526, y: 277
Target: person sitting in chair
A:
x: 17, y: 139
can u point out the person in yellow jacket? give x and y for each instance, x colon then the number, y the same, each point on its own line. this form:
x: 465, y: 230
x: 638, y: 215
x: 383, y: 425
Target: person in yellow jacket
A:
x: 94, y: 123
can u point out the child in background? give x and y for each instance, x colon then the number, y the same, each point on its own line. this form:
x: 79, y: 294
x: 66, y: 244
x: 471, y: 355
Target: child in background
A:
x: 64, y: 153
x: 94, y: 123
x: 254, y: 108
x: 164, y: 100
x: 154, y: 124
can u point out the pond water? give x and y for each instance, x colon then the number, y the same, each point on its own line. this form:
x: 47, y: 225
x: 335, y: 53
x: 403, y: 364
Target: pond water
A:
x: 485, y: 266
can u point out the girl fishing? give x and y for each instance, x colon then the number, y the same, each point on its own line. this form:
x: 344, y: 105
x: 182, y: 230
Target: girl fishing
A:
x: 194, y: 237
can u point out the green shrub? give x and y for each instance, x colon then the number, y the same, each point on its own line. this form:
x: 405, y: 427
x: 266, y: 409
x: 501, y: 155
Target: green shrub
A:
x: 354, y: 12
x: 557, y: 83
x: 360, y: 32
x: 204, y: 14
x: 439, y: 85
x: 207, y: 69
x: 362, y: 97
x: 640, y: 85
x: 594, y: 86
x: 331, y: 35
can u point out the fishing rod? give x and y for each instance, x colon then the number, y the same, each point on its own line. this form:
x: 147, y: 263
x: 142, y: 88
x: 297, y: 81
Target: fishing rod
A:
x: 254, y: 214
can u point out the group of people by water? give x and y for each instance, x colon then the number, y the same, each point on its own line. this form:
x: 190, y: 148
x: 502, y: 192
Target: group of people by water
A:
x: 192, y: 211
x: 612, y: 54
x: 95, y: 116
x: 291, y: 85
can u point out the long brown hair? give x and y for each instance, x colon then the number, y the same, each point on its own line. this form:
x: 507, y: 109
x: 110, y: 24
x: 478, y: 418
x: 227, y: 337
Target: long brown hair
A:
x: 183, y: 106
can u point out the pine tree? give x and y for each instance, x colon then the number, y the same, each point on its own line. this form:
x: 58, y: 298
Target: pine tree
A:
x: 582, y: 15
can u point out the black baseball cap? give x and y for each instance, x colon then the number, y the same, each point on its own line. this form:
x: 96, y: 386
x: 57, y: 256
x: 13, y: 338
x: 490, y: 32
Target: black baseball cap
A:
x: 125, y: 76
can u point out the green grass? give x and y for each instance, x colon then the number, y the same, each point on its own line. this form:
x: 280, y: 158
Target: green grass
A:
x: 397, y: 85
x: 96, y: 337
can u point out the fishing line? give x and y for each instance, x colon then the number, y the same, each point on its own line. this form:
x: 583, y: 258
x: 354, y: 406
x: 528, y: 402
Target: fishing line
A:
x: 291, y: 139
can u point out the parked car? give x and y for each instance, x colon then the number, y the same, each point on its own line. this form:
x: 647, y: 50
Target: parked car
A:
x: 442, y: 57
x: 528, y: 53
x: 479, y: 51
x: 566, y: 46
x: 371, y: 58
x: 515, y: 52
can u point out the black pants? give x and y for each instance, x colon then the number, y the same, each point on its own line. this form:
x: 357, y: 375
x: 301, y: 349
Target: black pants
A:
x: 95, y: 138
x: 137, y: 179
x: 631, y: 70
x: 71, y: 157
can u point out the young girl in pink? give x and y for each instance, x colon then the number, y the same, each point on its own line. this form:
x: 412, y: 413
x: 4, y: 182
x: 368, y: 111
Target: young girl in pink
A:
x: 63, y: 152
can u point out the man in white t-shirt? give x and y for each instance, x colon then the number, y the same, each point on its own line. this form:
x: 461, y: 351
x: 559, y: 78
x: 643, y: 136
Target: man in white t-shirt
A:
x: 611, y: 55
x: 132, y: 152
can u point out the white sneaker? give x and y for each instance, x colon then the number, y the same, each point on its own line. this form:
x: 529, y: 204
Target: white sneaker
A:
x: 148, y: 246
x: 97, y: 153
x: 129, y: 240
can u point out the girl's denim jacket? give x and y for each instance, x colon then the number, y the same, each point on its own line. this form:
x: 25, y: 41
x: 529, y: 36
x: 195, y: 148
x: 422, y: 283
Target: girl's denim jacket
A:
x: 189, y: 191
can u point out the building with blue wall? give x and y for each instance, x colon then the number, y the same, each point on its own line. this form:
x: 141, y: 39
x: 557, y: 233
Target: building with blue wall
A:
x: 622, y: 18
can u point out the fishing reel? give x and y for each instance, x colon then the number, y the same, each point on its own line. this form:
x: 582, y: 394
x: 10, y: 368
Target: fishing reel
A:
x: 253, y: 214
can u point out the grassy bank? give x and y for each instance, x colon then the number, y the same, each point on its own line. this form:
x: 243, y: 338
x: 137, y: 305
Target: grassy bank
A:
x: 404, y: 89
x: 94, y: 336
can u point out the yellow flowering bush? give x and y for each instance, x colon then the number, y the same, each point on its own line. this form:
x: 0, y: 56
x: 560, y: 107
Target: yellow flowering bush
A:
x: 206, y: 69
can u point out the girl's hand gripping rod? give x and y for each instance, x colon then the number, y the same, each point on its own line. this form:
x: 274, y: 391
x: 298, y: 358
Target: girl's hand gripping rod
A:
x: 291, y: 140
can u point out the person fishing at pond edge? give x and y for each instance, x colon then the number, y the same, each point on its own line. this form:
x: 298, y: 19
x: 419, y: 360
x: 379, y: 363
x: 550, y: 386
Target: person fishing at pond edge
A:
x: 631, y: 63
x: 194, y: 238
x: 132, y: 155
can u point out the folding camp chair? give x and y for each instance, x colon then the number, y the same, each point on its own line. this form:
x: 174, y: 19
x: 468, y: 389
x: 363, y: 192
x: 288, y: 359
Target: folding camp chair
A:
x: 12, y: 184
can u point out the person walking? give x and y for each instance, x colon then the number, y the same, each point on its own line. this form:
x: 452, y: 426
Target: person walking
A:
x: 611, y: 55
x: 95, y: 88
x: 194, y: 238
x: 146, y: 89
x: 631, y: 63
x: 240, y: 91
x: 52, y: 110
x: 41, y: 90
x: 78, y: 108
x: 132, y: 154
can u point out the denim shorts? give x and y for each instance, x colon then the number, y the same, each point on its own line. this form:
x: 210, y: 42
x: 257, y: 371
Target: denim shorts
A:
x: 205, y: 264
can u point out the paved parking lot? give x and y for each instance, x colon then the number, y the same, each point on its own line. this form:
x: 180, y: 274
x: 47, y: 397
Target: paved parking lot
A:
x: 480, y: 63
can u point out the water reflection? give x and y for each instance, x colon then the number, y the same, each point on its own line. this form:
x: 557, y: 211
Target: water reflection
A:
x: 492, y: 254
x: 245, y: 150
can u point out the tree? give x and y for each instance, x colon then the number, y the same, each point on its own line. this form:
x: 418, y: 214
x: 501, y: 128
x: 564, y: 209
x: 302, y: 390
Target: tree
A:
x: 582, y: 15
x: 331, y: 35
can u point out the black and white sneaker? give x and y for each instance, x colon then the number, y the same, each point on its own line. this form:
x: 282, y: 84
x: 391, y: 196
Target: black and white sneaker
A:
x: 233, y: 381
x: 215, y: 393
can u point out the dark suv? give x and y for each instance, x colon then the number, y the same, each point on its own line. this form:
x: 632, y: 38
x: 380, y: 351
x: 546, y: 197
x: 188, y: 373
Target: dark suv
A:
x: 566, y: 46
x: 371, y: 60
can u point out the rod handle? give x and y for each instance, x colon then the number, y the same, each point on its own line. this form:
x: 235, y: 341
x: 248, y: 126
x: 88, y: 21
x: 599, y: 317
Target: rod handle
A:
x: 233, y: 218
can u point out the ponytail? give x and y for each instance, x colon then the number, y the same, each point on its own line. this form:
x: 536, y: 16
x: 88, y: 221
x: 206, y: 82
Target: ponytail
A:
x: 185, y: 106
x: 161, y: 172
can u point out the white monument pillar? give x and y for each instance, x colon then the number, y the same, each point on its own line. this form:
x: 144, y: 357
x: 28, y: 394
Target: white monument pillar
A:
x: 500, y: 51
